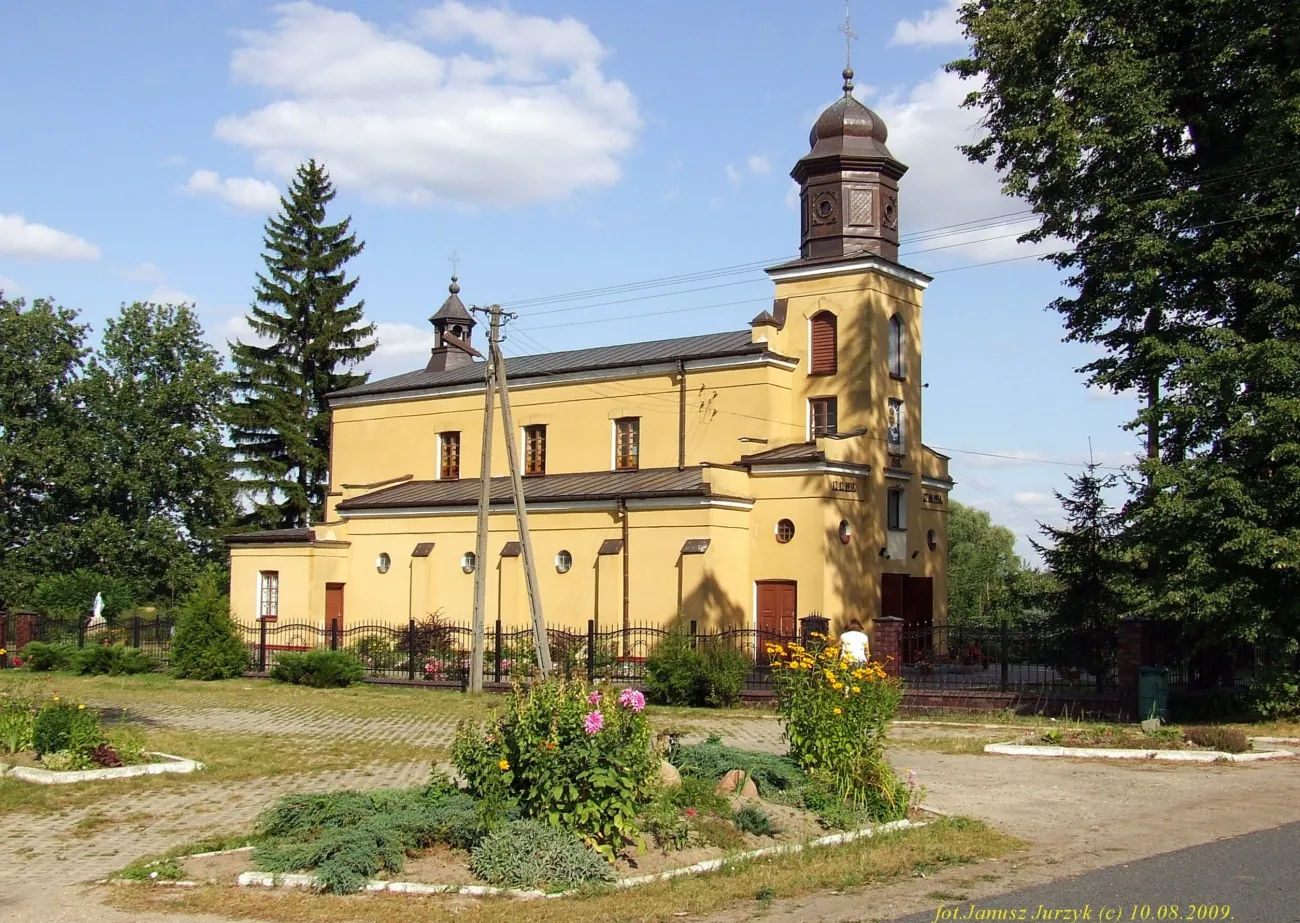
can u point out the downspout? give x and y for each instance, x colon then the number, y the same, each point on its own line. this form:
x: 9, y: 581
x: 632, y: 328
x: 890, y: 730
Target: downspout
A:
x: 627, y: 598
x: 681, y: 418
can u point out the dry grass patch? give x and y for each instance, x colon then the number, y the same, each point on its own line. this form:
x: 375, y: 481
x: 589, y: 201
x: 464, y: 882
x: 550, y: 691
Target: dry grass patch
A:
x: 863, y: 863
x: 963, y: 745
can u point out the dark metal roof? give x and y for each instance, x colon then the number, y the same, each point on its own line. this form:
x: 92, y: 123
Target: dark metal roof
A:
x: 523, y: 368
x: 272, y: 536
x: 611, y: 546
x: 696, y: 546
x: 422, y: 550
x: 798, y: 451
x: 646, y: 483
x: 511, y: 550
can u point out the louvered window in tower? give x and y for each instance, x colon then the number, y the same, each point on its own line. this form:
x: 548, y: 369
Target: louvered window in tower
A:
x: 535, y: 449
x: 823, y: 345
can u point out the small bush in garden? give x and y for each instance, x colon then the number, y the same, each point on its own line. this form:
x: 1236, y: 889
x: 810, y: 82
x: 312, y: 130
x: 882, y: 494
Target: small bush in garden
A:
x: 207, y: 643
x: 663, y: 820
x: 1229, y: 740
x: 127, y: 741
x: 319, y: 668
x: 700, y: 796
x: 673, y: 673
x: 62, y: 725
x: 530, y: 854
x: 105, y: 756
x: 712, y: 760
x: 577, y: 757
x: 17, y: 718
x: 752, y: 819
x: 378, y: 654
x: 723, y: 670
x: 110, y: 660
x: 836, y: 714
x: 66, y: 761
x: 1275, y: 695
x: 717, y: 831
x: 42, y: 657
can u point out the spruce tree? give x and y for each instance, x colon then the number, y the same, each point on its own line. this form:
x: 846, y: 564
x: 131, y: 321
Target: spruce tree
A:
x: 280, y: 422
x: 1087, y: 560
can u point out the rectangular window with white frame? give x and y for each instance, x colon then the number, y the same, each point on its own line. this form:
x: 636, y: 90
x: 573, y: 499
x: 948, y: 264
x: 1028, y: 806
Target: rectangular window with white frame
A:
x: 894, y: 424
x: 268, y: 595
x: 823, y: 417
x: 535, y: 449
x: 448, y: 456
x: 627, y: 443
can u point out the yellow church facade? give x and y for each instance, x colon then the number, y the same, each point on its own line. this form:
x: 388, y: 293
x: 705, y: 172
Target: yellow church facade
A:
x: 743, y: 479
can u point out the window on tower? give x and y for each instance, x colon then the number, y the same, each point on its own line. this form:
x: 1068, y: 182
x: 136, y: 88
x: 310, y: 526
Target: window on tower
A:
x: 894, y: 424
x: 627, y: 443
x: 896, y: 346
x: 448, y: 456
x: 823, y: 344
x: 535, y: 449
x: 823, y: 416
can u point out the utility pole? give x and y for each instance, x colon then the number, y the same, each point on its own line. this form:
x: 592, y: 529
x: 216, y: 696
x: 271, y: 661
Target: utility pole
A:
x: 484, y: 500
x: 521, y: 511
x: 496, y: 380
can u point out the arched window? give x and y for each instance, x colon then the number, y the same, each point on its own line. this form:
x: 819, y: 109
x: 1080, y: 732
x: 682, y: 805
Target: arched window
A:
x: 823, y: 344
x: 896, y: 346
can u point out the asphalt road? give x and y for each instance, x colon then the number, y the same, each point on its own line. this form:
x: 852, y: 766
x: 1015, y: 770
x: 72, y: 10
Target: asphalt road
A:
x: 1247, y: 879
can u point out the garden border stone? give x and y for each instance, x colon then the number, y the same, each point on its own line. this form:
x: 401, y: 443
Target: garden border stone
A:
x: 1111, y: 753
x: 298, y: 880
x: 48, y: 777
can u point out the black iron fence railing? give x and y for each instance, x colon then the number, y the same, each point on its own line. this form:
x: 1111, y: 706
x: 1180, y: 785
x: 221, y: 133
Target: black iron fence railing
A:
x: 1008, y: 658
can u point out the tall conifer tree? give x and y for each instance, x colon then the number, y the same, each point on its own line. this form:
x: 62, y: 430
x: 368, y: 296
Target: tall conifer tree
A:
x: 280, y: 423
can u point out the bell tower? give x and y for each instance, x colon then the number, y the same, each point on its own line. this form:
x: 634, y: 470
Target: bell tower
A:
x: 453, y: 326
x: 848, y: 183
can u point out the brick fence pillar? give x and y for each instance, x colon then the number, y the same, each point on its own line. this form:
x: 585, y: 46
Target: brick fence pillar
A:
x: 887, y: 645
x: 1132, y: 656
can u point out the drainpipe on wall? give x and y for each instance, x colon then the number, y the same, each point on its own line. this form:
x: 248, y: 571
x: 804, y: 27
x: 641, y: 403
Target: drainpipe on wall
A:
x: 627, y: 599
x: 681, y: 418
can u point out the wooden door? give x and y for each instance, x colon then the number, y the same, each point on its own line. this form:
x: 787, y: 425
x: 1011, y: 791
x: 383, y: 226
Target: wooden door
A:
x: 893, y: 589
x: 777, y: 601
x: 918, y: 618
x: 334, y: 612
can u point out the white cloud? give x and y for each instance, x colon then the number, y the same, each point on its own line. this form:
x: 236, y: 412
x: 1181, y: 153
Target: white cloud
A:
x: 733, y: 175
x: 142, y: 272
x: 167, y: 294
x: 19, y: 238
x: 934, y: 27
x: 942, y: 189
x: 243, y: 192
x: 1035, y: 500
x: 510, y: 110
x: 759, y: 164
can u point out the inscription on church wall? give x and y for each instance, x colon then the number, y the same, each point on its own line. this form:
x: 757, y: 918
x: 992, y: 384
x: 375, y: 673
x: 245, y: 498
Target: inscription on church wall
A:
x: 845, y: 487
x: 936, y: 499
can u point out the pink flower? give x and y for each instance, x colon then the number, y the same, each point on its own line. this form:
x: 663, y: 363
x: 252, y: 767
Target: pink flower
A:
x: 691, y: 812
x: 593, y: 722
x: 631, y: 698
x: 593, y: 698
x: 17, y: 661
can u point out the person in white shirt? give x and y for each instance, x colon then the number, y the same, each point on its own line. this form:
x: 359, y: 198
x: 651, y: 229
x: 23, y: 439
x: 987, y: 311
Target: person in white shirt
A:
x: 854, y: 643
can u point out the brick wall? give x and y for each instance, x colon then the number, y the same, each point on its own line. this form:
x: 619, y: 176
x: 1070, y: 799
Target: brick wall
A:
x: 887, y: 644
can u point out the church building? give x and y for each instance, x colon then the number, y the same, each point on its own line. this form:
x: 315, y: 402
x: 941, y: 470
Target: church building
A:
x: 741, y: 479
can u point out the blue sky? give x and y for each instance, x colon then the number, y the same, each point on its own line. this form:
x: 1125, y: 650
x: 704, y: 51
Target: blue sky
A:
x: 557, y: 146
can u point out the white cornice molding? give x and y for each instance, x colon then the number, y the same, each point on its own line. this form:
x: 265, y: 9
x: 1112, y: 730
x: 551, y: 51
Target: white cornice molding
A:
x: 571, y: 506
x: 525, y: 383
x: 786, y: 468
x: 858, y: 264
x: 937, y: 483
x: 897, y: 474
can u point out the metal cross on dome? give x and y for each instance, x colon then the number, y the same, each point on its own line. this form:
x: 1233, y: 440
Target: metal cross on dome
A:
x: 849, y: 35
x: 454, y: 259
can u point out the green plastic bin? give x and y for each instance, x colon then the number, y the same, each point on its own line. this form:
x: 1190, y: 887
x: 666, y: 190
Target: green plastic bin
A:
x: 1153, y: 693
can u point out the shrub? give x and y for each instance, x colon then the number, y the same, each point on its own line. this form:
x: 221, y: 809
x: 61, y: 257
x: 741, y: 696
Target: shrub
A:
x: 378, y: 654
x: 717, y: 831
x: 65, y: 761
x: 62, y: 725
x: 127, y: 741
x: 1275, y: 695
x: 104, y: 755
x: 349, y: 837
x: 700, y: 796
x: 576, y: 757
x: 1229, y: 740
x: 40, y: 656
x: 723, y: 670
x: 673, y: 675
x: 752, y: 819
x: 531, y: 854
x: 319, y: 668
x: 110, y: 659
x: 663, y: 820
x: 16, y: 722
x: 72, y: 595
x: 712, y: 760
x: 207, y: 643
x: 836, y: 714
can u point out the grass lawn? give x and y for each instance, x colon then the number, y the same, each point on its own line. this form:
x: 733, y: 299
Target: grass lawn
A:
x: 754, y: 884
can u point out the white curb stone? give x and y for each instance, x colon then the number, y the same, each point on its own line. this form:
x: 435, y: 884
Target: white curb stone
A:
x: 47, y: 777
x: 1103, y: 753
x: 289, y: 880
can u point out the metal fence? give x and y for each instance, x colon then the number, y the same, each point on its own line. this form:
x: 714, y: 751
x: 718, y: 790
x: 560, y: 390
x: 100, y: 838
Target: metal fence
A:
x: 1008, y: 658
x: 431, y: 653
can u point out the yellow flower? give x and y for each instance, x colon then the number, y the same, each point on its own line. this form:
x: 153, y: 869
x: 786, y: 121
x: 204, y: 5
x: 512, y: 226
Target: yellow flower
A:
x: 503, y: 765
x: 56, y: 698
x: 837, y: 686
x: 856, y: 690
x: 839, y: 711
x: 3, y: 652
x: 80, y: 707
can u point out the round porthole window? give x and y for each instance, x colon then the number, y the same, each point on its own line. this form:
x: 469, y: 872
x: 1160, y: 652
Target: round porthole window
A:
x: 467, y: 562
x: 383, y: 562
x: 932, y: 539
x: 846, y: 531
x: 563, y: 561
x: 784, y: 531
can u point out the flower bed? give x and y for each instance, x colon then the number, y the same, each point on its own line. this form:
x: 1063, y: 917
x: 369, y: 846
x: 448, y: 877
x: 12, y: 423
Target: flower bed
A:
x: 49, y: 739
x: 1171, y: 744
